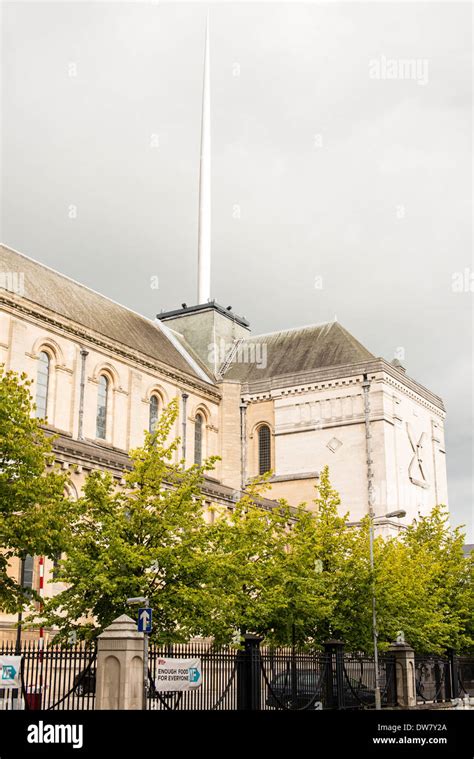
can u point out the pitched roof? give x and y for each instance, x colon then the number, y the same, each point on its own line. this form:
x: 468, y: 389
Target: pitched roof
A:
x: 296, y: 350
x: 64, y: 296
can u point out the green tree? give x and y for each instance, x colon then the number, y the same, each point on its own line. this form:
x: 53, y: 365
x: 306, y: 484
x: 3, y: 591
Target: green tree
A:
x: 277, y: 569
x: 247, y: 548
x: 33, y: 508
x: 423, y: 587
x: 432, y: 551
x: 147, y: 539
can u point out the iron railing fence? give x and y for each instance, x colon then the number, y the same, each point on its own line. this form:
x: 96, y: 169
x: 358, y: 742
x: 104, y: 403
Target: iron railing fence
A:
x: 52, y: 677
x: 273, y: 678
x: 433, y: 679
x: 254, y: 677
x: 465, y: 665
x: 291, y: 679
x: 360, y: 681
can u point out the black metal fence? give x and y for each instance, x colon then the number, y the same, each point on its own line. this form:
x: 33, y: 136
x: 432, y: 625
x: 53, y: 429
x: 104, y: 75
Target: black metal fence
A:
x: 465, y: 666
x: 249, y: 678
x: 53, y: 677
x: 255, y: 678
x: 440, y: 679
x: 433, y: 679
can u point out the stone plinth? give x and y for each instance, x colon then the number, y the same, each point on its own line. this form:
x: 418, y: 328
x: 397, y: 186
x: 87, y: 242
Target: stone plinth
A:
x: 404, y: 674
x: 119, y: 683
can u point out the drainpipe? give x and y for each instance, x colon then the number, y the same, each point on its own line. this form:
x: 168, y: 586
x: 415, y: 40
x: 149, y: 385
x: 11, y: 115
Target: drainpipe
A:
x: 368, y: 445
x: 243, y: 444
x: 184, y: 397
x: 370, y: 491
x: 80, y: 433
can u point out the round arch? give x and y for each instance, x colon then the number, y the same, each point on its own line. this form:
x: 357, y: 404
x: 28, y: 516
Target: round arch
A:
x: 109, y: 371
x: 50, y: 347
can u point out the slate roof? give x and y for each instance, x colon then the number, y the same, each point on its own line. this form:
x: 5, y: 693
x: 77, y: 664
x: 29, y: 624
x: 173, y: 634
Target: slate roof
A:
x: 299, y: 350
x: 64, y: 296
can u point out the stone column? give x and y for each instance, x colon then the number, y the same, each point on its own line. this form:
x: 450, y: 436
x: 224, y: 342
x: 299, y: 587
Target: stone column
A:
x: 119, y: 681
x: 404, y: 673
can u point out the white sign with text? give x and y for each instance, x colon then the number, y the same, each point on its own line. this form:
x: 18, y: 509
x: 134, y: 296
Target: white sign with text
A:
x: 178, y: 674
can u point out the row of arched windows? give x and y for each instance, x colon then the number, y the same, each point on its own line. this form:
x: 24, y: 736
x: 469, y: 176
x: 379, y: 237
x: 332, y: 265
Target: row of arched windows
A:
x: 42, y: 387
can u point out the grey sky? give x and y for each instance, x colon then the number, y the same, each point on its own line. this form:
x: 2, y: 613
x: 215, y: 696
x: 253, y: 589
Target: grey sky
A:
x: 318, y: 169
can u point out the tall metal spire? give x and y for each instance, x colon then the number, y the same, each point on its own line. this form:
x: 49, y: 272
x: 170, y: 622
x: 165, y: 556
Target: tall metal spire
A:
x: 204, y: 245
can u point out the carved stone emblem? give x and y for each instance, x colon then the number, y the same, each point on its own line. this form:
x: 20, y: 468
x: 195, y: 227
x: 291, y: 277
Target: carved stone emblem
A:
x: 416, y: 469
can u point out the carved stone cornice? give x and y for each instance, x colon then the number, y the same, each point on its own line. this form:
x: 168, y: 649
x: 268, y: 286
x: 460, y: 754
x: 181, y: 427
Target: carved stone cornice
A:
x: 347, y: 375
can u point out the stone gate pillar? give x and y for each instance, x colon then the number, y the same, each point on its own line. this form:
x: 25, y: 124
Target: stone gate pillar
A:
x: 404, y: 673
x: 119, y: 679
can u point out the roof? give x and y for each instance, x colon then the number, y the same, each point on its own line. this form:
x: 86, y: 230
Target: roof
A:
x: 211, y: 305
x: 296, y: 350
x: 64, y: 296
x: 468, y: 548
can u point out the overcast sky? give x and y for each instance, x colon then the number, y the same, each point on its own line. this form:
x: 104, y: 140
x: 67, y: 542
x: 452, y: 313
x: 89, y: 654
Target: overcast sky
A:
x: 318, y: 169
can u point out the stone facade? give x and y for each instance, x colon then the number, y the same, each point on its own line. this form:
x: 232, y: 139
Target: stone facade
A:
x: 304, y: 385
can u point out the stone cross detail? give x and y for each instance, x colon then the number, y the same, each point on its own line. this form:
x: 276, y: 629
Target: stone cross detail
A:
x: 416, y: 464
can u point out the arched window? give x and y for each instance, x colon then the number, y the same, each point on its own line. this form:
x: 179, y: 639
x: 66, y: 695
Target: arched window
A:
x: 264, y: 450
x: 154, y: 410
x: 42, y: 383
x: 101, y: 419
x: 198, y: 425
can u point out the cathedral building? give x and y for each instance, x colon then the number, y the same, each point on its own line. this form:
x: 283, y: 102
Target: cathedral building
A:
x: 289, y: 401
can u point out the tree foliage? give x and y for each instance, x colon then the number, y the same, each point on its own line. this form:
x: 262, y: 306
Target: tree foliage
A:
x: 292, y: 575
x: 33, y: 508
x: 148, y: 539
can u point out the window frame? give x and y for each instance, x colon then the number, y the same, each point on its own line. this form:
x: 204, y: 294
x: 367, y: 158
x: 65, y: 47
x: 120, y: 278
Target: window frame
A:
x: 264, y: 455
x: 43, y: 370
x: 103, y: 381
x: 199, y: 437
x: 153, y: 398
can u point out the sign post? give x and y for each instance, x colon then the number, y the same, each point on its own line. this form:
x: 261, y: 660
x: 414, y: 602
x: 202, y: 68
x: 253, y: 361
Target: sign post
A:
x: 144, y: 625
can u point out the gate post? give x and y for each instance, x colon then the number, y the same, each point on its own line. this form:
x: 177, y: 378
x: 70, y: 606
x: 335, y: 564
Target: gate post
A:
x: 404, y: 673
x: 334, y: 650
x: 119, y: 678
x: 452, y: 681
x: 248, y: 674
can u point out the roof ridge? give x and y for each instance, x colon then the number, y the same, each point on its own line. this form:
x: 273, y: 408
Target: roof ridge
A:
x: 291, y: 329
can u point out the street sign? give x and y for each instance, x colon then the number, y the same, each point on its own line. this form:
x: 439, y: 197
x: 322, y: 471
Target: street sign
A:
x: 178, y: 674
x: 10, y: 671
x: 144, y: 620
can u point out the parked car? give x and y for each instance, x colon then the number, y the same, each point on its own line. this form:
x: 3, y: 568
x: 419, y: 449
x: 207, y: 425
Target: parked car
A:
x: 84, y: 682
x: 310, y: 693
